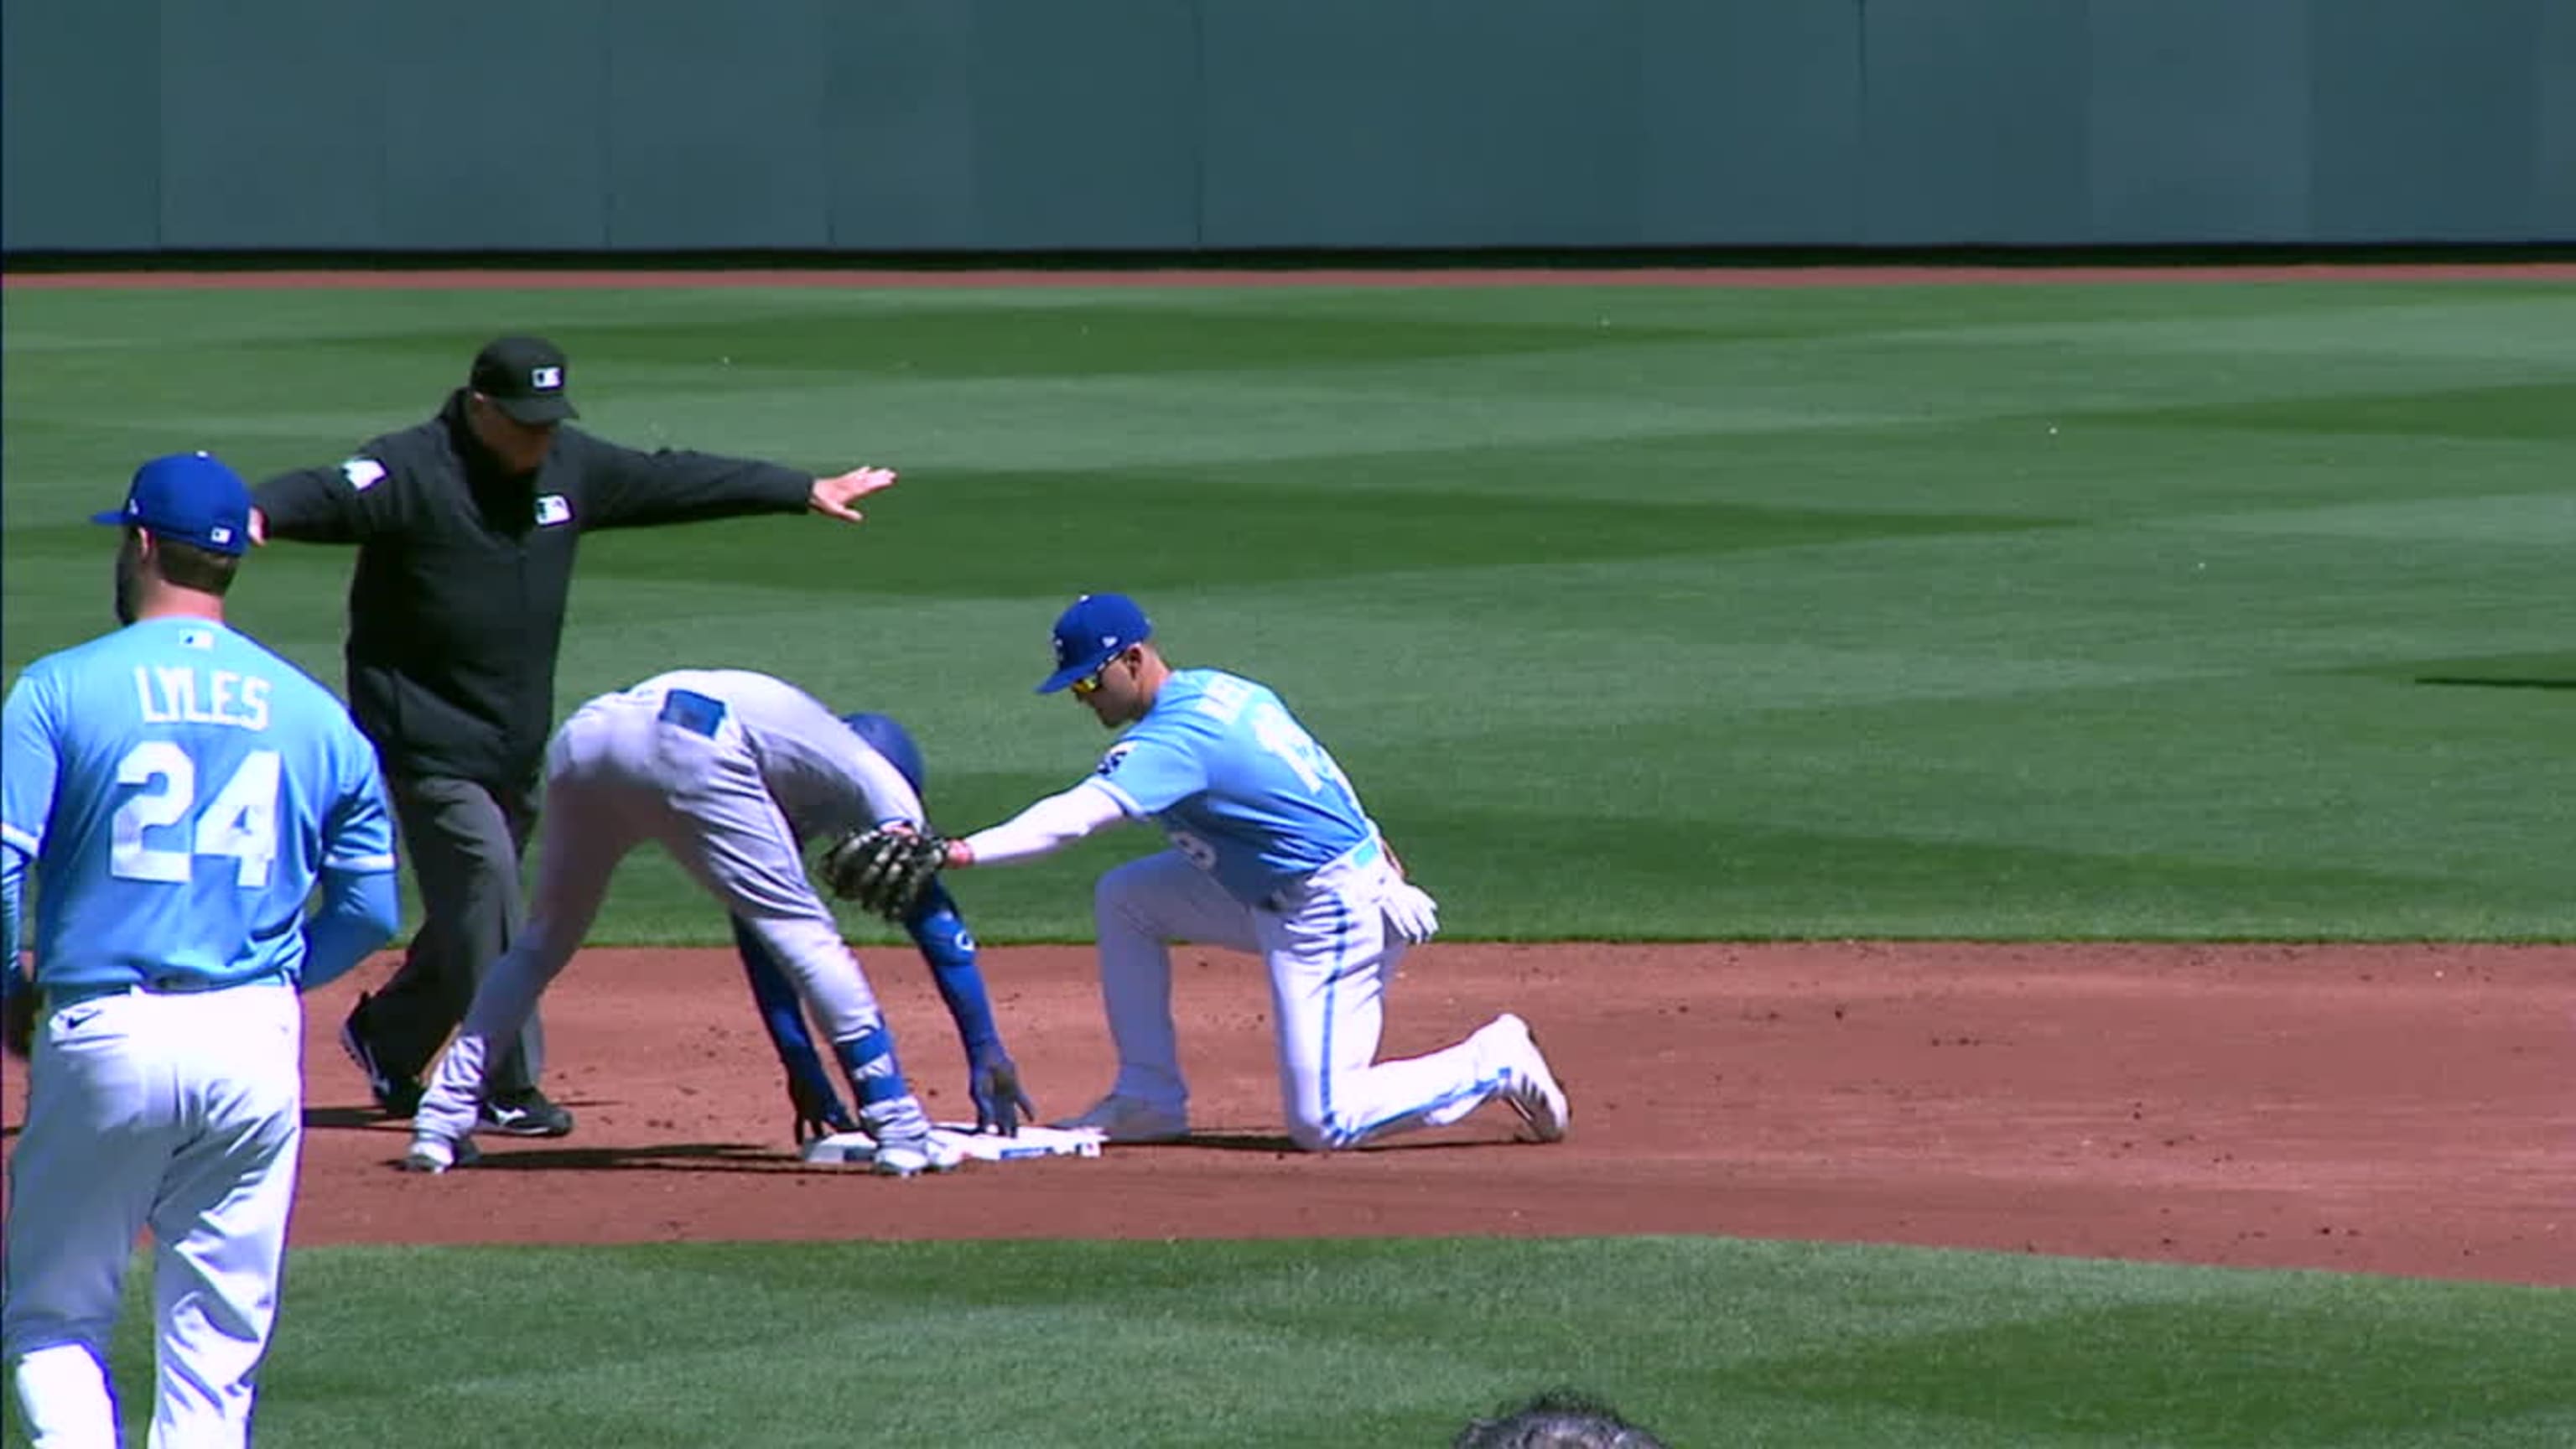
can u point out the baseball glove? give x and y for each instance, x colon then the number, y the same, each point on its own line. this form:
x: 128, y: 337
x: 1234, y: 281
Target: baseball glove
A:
x: 885, y: 870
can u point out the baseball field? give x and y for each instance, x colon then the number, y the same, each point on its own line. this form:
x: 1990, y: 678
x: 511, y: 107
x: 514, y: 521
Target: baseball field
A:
x: 2031, y: 811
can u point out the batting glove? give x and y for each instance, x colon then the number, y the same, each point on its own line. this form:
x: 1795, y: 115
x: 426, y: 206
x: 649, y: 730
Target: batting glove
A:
x: 818, y: 1115
x: 1413, y: 913
x: 994, y: 1083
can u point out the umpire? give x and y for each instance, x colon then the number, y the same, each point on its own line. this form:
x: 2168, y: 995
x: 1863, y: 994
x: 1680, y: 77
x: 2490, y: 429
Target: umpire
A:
x: 465, y: 528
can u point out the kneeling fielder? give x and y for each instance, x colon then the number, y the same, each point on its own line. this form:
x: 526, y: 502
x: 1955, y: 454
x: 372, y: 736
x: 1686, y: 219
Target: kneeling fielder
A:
x: 730, y: 771
x: 1271, y: 854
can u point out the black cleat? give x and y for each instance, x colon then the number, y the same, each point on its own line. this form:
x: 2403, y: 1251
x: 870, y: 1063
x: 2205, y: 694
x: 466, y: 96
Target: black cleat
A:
x: 396, y: 1095
x: 524, y: 1114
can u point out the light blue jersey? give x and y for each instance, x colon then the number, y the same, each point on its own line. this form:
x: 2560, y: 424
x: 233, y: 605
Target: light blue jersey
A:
x: 1236, y: 783
x: 180, y: 789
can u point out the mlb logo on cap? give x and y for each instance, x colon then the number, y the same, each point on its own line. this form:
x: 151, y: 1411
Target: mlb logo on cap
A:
x: 189, y: 498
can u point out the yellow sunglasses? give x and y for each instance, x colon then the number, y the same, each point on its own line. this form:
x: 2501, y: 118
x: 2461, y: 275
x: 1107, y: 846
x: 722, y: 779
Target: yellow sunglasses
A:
x: 1089, y: 684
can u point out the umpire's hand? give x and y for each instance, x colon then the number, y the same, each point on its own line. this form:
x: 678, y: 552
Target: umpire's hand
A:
x: 832, y: 496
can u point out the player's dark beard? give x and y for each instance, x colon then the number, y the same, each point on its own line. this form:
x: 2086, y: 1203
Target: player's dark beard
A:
x: 129, y: 581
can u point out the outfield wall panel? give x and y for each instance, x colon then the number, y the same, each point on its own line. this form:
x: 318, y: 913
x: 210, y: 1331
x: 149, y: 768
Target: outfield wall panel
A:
x: 1093, y: 146
x: 2553, y: 155
x: 1434, y: 123
x: 1973, y: 122
x: 80, y: 153
x: 2403, y: 149
x: 272, y: 125
x: 1751, y: 130
x: 524, y: 168
x: 1174, y: 125
x: 714, y: 124
x: 898, y: 134
x: 2199, y: 120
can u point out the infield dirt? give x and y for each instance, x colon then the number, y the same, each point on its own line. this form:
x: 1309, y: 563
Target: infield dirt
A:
x: 2384, y: 1109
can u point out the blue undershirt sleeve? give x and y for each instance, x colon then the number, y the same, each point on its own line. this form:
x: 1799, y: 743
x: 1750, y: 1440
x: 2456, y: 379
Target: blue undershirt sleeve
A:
x: 940, y: 931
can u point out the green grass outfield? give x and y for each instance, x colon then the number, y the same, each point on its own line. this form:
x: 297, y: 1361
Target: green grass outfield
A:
x: 2171, y: 611
x: 1105, y: 1346
x: 1636, y: 612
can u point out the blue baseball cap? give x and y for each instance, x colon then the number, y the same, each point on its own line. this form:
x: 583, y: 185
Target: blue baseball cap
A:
x: 891, y: 740
x: 1091, y: 633
x: 188, y: 498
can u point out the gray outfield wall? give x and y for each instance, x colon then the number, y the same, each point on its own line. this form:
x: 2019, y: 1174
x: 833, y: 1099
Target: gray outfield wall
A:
x: 1041, y: 125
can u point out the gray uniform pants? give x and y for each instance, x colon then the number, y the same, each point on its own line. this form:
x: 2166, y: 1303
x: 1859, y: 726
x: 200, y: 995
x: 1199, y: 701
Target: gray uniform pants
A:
x: 625, y: 770
x: 464, y: 840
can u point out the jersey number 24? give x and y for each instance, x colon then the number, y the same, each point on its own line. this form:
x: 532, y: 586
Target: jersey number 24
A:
x: 239, y: 823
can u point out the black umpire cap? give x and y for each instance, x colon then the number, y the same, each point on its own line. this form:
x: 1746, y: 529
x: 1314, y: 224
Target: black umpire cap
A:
x: 524, y: 377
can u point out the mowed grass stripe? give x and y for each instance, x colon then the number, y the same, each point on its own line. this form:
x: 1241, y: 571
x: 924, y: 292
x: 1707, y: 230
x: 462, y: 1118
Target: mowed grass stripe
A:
x: 1440, y: 370
x: 1861, y: 626
x: 1361, y: 1341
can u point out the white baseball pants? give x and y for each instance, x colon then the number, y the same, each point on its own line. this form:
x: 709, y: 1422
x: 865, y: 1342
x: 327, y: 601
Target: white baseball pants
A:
x: 178, y: 1113
x: 1330, y: 957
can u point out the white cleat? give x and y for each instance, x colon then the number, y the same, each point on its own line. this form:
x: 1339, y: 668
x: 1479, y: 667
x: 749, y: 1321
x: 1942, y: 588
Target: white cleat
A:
x: 1527, y: 1084
x: 913, y: 1156
x: 434, y: 1154
x: 1119, y: 1118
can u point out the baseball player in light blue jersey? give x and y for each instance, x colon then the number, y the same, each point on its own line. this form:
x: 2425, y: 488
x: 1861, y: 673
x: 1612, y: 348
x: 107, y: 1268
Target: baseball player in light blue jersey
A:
x: 731, y: 772
x: 1270, y: 853
x: 179, y: 792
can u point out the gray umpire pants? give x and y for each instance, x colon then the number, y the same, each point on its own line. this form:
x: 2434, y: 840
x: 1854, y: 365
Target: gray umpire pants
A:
x: 465, y: 840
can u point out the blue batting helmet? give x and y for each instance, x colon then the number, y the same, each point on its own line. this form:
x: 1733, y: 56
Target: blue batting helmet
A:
x: 890, y: 740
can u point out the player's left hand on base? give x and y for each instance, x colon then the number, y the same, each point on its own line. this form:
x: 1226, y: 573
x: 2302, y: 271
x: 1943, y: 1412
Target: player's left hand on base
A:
x: 818, y: 1115
x: 885, y: 869
x: 1412, y: 913
x: 994, y: 1083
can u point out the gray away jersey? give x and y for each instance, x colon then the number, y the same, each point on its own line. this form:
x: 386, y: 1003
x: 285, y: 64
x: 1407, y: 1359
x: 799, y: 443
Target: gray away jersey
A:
x: 825, y: 779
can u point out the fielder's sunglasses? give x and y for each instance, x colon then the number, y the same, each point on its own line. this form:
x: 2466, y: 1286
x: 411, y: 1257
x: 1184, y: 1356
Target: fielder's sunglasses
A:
x: 1089, y: 684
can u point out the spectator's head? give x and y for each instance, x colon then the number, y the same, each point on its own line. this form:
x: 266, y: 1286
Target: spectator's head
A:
x: 1556, y: 1419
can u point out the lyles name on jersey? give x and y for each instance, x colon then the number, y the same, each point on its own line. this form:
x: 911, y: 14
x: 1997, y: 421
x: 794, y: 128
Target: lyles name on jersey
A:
x: 183, y: 695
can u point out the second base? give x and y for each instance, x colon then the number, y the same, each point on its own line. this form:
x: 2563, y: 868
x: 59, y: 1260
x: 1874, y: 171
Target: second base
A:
x: 858, y: 1149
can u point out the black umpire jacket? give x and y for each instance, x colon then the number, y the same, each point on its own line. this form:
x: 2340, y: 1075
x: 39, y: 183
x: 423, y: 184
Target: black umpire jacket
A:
x: 456, y: 609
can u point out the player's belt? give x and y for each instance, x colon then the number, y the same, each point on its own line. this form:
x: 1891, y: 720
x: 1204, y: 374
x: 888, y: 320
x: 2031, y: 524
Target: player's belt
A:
x: 1331, y: 873
x: 697, y: 713
x: 173, y: 984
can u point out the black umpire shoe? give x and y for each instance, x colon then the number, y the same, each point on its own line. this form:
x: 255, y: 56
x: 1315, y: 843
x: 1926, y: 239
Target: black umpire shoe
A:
x: 524, y: 1114
x: 396, y: 1094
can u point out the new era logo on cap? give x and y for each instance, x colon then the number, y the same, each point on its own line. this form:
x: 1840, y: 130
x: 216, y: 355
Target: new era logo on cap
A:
x: 546, y: 379
x: 1092, y: 631
x: 189, y: 498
